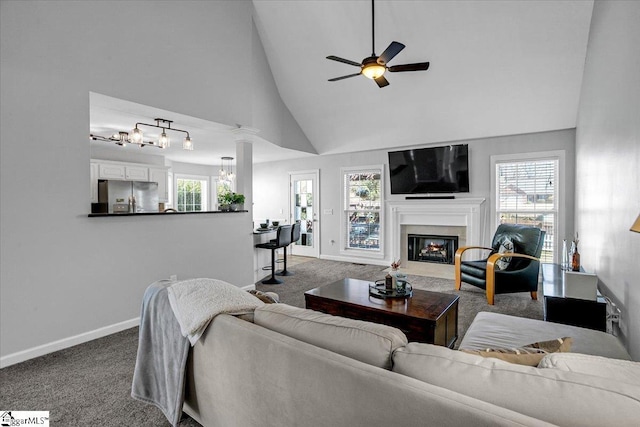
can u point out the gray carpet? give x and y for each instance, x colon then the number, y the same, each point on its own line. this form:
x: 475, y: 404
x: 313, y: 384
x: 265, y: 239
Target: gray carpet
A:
x: 90, y: 384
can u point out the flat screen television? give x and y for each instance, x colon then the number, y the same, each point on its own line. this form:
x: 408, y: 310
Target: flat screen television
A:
x: 430, y: 170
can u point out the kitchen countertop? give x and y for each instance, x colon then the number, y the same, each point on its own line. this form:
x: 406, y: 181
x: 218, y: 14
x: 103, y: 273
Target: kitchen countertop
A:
x: 263, y: 231
x: 95, y: 215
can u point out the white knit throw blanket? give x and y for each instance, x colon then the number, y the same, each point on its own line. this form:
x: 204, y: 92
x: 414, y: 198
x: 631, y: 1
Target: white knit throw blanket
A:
x: 196, y: 302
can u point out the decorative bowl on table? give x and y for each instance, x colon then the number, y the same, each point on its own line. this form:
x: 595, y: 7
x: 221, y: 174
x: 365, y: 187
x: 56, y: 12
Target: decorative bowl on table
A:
x: 275, y: 223
x: 264, y: 225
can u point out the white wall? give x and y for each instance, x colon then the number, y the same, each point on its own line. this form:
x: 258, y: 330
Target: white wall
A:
x: 271, y: 180
x: 124, y: 155
x: 64, y: 274
x: 269, y: 110
x: 608, y: 156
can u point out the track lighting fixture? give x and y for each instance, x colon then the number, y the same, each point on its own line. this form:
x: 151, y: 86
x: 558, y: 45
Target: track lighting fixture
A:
x: 136, y: 136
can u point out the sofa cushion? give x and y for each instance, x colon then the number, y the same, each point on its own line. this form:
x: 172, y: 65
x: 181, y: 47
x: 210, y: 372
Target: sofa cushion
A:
x: 614, y: 369
x: 500, y: 330
x: 530, y: 354
x: 558, y: 397
x: 368, y: 342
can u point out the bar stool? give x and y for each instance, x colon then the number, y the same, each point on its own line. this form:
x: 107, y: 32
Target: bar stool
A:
x: 282, y: 240
x: 295, y: 236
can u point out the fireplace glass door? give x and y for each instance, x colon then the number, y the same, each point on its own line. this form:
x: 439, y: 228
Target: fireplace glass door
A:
x: 432, y: 248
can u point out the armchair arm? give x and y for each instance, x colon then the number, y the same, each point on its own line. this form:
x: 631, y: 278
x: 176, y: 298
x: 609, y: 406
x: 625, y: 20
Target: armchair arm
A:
x: 462, y: 249
x: 491, y: 266
x: 458, y: 261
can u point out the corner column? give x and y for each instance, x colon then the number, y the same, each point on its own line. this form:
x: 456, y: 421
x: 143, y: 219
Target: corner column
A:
x: 244, y: 164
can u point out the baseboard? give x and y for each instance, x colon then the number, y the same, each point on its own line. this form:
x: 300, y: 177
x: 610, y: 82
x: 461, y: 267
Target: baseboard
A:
x: 41, y: 350
x: 356, y: 260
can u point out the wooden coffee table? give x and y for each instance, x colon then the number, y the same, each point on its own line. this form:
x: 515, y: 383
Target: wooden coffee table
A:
x: 429, y: 317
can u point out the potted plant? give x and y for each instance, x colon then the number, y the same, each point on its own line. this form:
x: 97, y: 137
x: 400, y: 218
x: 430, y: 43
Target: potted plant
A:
x: 237, y: 201
x: 224, y: 201
x: 231, y: 201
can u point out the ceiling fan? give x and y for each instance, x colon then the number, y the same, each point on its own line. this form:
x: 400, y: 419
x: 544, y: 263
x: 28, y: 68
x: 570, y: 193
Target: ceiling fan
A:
x: 374, y: 66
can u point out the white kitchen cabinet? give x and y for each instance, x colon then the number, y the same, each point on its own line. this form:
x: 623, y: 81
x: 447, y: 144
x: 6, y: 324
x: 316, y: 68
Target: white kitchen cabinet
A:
x: 106, y: 169
x: 111, y: 171
x: 136, y: 173
x: 93, y: 191
x: 161, y: 176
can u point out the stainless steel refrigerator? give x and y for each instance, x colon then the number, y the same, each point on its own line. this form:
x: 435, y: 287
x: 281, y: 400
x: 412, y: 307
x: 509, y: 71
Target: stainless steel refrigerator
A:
x: 116, y: 195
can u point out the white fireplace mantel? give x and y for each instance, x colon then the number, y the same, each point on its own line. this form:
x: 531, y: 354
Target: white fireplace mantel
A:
x: 463, y: 212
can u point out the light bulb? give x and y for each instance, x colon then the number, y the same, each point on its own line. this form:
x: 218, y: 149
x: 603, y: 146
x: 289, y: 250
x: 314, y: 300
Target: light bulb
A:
x: 164, y: 140
x: 187, y: 144
x: 136, y: 136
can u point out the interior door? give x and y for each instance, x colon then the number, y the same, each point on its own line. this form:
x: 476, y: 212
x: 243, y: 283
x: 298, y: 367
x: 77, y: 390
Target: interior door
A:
x: 304, y: 208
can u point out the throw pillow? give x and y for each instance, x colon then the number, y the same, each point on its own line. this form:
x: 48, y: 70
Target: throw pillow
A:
x: 266, y: 297
x: 506, y: 247
x: 530, y: 354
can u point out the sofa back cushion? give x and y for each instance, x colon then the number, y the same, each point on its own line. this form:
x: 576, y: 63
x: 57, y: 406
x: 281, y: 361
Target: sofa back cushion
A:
x: 619, y: 370
x: 558, y: 397
x: 368, y: 342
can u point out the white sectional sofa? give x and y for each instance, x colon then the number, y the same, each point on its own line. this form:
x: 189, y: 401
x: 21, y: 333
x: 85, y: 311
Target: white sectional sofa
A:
x: 296, y: 367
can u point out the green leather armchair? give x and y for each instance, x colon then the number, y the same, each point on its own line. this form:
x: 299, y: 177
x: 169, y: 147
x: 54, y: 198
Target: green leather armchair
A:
x: 521, y: 274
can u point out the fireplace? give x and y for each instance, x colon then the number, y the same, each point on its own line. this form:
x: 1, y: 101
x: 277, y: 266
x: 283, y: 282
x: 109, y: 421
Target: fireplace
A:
x: 432, y: 248
x: 462, y: 217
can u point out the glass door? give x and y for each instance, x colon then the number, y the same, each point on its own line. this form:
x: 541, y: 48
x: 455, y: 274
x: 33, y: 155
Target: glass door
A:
x: 304, y: 209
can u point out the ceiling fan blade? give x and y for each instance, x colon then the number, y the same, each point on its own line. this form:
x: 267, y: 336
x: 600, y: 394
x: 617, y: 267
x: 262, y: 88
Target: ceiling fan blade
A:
x: 392, y: 50
x: 346, y: 61
x: 420, y: 66
x: 382, y: 82
x: 335, y: 79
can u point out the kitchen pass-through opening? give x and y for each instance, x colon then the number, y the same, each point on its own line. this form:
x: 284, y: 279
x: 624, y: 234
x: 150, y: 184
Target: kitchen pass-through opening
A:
x: 432, y: 248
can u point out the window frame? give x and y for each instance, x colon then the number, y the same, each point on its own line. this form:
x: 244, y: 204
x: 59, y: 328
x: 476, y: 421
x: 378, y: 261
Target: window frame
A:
x: 560, y: 208
x: 205, y: 201
x: 344, y: 216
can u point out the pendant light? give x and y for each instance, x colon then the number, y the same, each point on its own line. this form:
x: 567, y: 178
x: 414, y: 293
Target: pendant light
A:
x: 164, y: 141
x: 187, y: 144
x: 136, y: 135
x: 226, y: 175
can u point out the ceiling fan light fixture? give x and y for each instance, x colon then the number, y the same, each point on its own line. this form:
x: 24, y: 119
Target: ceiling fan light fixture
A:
x: 374, y: 67
x: 373, y: 71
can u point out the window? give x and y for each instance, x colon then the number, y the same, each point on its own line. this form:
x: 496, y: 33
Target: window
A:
x: 363, y: 193
x: 221, y: 187
x: 191, y: 194
x: 526, y: 192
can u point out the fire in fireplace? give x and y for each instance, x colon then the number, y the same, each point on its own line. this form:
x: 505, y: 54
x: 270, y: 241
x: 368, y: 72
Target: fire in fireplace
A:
x: 432, y: 248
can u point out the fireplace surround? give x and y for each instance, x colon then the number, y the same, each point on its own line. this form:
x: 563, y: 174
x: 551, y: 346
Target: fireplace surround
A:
x: 462, y: 217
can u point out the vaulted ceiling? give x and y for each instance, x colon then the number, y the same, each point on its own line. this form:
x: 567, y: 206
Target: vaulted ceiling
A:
x: 497, y: 68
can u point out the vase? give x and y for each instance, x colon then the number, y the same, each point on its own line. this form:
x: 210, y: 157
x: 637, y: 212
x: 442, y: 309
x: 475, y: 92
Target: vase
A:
x: 401, y: 281
x: 575, y: 260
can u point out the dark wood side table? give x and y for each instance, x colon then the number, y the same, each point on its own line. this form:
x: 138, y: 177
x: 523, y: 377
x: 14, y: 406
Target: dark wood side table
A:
x: 428, y: 317
x: 570, y: 311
